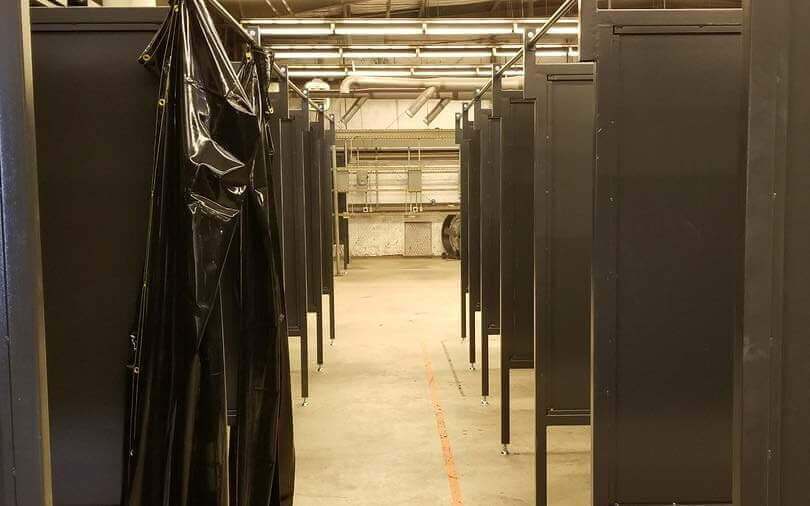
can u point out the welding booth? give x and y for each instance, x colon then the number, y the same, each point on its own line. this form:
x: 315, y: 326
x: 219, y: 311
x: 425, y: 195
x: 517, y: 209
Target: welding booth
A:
x: 634, y: 228
x: 100, y: 117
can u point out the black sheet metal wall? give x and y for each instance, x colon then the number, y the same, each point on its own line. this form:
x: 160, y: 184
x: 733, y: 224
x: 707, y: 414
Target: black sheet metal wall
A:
x: 94, y: 173
x: 517, y: 297
x: 667, y: 224
x: 772, y: 448
x: 563, y: 228
x: 328, y: 221
x: 463, y: 179
x: 471, y: 228
x: 489, y: 204
x: 25, y: 464
x: 315, y: 214
x: 294, y: 141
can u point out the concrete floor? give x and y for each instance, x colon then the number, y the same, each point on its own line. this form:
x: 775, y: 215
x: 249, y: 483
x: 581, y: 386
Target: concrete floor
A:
x: 370, y: 434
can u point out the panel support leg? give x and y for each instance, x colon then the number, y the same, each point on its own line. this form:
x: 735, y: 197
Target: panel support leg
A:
x: 319, y: 337
x: 472, y: 336
x: 505, y: 432
x: 463, y: 313
x: 332, y: 316
x: 304, y: 361
x: 484, y: 367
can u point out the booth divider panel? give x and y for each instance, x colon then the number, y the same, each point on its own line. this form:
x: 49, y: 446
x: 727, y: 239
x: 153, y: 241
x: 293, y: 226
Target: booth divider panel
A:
x: 327, y: 212
x: 468, y: 258
x: 667, y: 222
x: 489, y: 203
x: 312, y: 185
x: 563, y: 235
x: 474, y: 213
x: 292, y: 163
x: 465, y: 201
x: 517, y: 295
x: 94, y: 157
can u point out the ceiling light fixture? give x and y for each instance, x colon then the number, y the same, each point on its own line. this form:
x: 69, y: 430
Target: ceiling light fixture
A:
x: 455, y: 54
x: 285, y: 55
x: 379, y: 54
x: 467, y: 30
x: 382, y: 30
x: 294, y: 30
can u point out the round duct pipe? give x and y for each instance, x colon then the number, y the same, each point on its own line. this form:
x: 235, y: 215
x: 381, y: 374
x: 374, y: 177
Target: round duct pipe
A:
x: 420, y: 101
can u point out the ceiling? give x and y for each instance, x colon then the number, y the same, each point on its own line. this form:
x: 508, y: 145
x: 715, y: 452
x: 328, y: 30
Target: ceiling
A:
x: 242, y: 9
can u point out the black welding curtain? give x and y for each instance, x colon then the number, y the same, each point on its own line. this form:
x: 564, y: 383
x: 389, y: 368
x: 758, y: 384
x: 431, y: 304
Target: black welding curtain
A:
x: 211, y: 419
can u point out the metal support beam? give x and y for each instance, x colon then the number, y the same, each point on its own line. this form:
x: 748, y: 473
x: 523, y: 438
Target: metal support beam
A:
x: 25, y: 466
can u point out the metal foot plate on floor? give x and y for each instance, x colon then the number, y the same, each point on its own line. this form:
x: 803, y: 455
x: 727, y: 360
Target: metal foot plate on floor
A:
x: 505, y: 450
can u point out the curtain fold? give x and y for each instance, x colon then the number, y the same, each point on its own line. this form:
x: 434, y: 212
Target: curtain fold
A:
x: 210, y: 420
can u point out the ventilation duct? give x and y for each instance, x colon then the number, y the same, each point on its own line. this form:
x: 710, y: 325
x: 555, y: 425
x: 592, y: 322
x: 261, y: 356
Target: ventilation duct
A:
x: 352, y: 110
x: 420, y: 102
x: 436, y: 111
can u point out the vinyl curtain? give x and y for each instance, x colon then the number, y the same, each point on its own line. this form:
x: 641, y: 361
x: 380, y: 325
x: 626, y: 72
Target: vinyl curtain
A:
x: 210, y: 420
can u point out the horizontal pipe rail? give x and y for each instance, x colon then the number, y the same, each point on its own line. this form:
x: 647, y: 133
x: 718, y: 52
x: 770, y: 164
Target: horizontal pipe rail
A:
x: 499, y: 72
x: 240, y: 30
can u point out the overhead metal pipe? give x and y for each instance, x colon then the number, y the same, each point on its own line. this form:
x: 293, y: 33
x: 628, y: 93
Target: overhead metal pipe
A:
x: 436, y: 111
x: 352, y: 110
x: 420, y: 101
x: 558, y: 14
x: 439, y: 83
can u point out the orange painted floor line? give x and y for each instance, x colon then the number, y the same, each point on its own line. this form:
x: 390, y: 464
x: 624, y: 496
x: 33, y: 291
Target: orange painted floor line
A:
x: 449, y: 464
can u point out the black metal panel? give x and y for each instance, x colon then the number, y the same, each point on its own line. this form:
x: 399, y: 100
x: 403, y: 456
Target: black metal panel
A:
x: 464, y: 189
x: 328, y: 222
x: 468, y: 208
x: 25, y: 467
x: 517, y: 297
x: 315, y: 213
x: 292, y: 161
x: 312, y: 189
x: 772, y: 461
x: 489, y: 205
x: 327, y: 209
x: 474, y: 214
x: 667, y: 220
x: 95, y: 114
x: 563, y: 229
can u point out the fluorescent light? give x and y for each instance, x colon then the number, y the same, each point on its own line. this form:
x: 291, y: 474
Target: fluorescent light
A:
x: 467, y: 30
x: 284, y: 55
x: 461, y: 73
x: 379, y: 54
x: 382, y: 30
x: 554, y: 30
x: 455, y: 54
x: 565, y: 30
x: 317, y: 73
x: 294, y: 30
x: 380, y: 73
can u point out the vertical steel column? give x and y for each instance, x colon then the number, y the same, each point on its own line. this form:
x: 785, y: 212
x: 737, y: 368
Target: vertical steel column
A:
x: 772, y: 410
x: 25, y: 475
